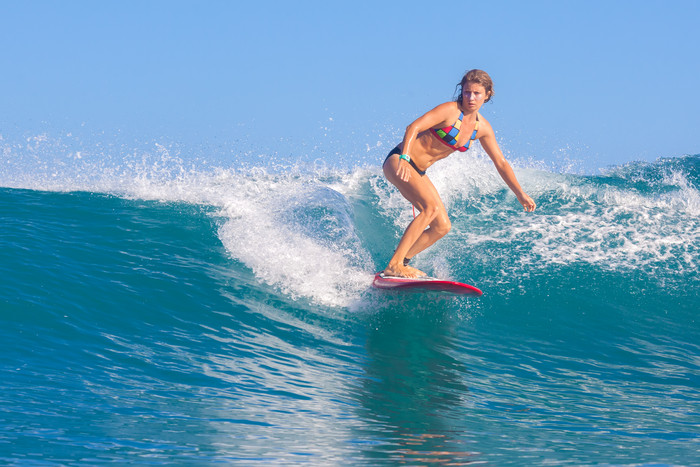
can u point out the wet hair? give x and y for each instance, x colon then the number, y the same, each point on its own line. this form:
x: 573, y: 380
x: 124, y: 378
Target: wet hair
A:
x: 478, y: 77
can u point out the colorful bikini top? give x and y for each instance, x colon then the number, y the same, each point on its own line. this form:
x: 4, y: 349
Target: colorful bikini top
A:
x: 448, y: 135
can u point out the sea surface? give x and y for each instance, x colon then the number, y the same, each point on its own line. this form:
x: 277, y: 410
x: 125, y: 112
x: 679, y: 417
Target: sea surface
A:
x: 160, y: 312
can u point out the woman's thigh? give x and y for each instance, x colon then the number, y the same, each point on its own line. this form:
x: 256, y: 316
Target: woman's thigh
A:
x: 418, y: 190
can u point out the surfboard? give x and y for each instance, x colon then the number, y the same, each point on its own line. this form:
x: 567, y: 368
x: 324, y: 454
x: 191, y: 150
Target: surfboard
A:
x: 424, y: 283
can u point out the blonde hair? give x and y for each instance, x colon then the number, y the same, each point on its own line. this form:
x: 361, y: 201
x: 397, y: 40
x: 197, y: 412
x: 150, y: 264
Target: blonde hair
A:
x: 478, y: 77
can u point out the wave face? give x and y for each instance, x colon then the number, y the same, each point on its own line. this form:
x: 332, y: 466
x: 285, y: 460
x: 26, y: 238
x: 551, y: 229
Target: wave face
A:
x: 155, y: 311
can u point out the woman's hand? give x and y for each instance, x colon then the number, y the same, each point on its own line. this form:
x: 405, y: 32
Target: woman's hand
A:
x: 403, y: 170
x: 527, y: 202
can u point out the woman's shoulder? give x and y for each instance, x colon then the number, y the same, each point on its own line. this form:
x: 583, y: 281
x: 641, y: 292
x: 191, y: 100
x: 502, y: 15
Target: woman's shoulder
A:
x: 449, y: 106
x: 445, y: 107
x: 482, y: 120
x: 446, y: 110
x: 443, y: 114
x: 484, y: 126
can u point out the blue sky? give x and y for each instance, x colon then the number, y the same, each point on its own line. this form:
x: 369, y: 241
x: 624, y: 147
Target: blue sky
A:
x: 600, y: 82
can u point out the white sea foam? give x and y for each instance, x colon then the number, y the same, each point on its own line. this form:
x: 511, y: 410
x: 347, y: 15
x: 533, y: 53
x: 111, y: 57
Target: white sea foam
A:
x: 612, y: 227
x: 266, y: 227
x: 295, y: 233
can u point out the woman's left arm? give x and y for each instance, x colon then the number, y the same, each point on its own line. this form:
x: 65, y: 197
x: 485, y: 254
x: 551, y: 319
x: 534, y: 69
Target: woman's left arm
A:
x: 488, y: 142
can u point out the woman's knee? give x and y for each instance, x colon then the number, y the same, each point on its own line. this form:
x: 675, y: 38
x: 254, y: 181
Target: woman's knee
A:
x: 431, y: 211
x: 442, y: 224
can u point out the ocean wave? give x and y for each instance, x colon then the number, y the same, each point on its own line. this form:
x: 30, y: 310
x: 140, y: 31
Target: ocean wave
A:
x: 319, y: 233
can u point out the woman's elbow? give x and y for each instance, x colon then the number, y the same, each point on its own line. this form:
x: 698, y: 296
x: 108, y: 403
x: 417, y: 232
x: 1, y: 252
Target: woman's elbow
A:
x: 412, y: 129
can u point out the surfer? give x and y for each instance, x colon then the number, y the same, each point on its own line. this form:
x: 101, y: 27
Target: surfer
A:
x: 447, y: 128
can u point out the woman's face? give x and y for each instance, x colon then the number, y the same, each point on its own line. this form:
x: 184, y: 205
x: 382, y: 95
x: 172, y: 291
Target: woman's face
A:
x: 473, y: 96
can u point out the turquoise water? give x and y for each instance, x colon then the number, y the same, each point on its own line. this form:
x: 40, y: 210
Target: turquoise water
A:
x: 158, y: 313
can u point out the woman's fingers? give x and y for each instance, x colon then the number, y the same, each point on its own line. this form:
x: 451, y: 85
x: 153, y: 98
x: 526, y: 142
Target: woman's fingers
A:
x: 403, y: 172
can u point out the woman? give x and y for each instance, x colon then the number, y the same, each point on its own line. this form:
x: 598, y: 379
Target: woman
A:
x: 432, y: 137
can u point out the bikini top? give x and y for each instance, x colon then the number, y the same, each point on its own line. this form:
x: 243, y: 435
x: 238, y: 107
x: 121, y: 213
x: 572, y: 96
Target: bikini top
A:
x: 449, y: 134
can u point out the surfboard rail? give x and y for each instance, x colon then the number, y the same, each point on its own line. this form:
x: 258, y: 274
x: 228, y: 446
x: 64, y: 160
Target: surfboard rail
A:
x: 423, y: 283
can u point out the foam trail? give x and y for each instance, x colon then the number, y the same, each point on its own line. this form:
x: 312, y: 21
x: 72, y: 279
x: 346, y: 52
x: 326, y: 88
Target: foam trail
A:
x: 297, y: 236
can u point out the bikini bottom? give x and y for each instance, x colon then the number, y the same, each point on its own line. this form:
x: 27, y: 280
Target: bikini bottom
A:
x: 396, y: 150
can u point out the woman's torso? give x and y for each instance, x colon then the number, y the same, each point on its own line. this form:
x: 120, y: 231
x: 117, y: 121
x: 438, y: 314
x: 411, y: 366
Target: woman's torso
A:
x: 429, y: 148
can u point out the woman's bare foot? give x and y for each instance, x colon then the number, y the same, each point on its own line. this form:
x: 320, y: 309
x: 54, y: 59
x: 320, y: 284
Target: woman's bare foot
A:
x: 403, y: 271
x: 416, y: 271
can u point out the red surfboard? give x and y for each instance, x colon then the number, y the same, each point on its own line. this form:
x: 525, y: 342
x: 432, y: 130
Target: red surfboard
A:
x: 423, y: 283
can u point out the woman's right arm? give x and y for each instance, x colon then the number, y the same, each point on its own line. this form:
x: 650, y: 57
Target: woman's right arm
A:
x: 435, y: 117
